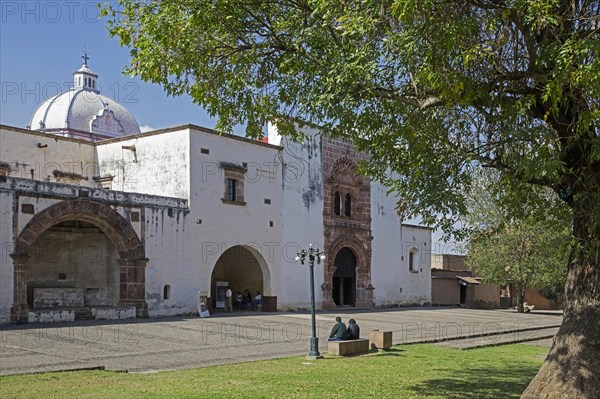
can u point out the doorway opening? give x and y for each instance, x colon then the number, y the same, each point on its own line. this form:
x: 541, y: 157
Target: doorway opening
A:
x: 463, y: 294
x: 344, y: 278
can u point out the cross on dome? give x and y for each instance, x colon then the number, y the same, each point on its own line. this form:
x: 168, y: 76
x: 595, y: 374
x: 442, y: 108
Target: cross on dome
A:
x: 84, y: 77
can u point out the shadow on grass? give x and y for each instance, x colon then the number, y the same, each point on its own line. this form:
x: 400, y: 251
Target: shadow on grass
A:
x: 479, y: 383
x: 391, y: 350
x: 386, y: 352
x: 391, y: 354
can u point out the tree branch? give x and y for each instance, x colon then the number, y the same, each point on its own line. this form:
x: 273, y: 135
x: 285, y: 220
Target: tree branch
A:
x: 422, y: 104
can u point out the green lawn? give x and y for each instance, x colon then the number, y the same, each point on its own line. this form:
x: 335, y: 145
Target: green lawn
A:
x: 408, y: 371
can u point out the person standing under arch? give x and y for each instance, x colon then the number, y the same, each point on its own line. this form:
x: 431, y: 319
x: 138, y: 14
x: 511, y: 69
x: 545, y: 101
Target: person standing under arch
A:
x: 228, y: 300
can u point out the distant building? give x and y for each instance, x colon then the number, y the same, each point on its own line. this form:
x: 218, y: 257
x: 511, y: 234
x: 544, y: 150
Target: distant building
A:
x: 452, y: 283
x: 98, y: 220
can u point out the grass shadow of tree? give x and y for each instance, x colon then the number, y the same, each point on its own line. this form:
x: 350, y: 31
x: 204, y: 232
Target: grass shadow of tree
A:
x: 479, y: 383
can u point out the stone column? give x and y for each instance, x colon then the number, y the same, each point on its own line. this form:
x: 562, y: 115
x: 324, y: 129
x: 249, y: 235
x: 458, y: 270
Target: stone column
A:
x: 327, y: 288
x: 327, y: 303
x: 20, y: 309
x: 132, y: 285
x: 365, y: 297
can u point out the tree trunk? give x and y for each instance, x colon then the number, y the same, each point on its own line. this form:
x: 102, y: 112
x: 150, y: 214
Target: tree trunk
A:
x: 520, y: 298
x: 572, y: 368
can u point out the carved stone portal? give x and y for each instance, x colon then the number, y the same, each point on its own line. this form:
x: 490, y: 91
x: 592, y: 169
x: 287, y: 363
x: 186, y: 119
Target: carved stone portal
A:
x: 347, y: 228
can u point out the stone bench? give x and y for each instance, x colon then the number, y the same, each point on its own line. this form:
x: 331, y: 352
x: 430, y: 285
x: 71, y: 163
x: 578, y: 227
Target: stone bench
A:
x: 347, y: 348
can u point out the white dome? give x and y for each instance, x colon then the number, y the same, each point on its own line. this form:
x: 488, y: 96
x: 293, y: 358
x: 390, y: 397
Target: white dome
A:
x: 83, y: 108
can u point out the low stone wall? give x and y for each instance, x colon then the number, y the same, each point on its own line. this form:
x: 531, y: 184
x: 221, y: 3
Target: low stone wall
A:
x: 66, y: 315
x: 113, y: 313
x: 51, y: 316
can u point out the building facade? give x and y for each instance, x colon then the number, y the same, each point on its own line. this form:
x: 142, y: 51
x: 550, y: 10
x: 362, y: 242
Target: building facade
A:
x: 453, y: 283
x: 98, y: 220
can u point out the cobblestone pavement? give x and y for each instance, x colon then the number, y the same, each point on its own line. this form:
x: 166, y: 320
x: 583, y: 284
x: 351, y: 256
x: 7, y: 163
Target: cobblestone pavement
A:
x: 149, y: 345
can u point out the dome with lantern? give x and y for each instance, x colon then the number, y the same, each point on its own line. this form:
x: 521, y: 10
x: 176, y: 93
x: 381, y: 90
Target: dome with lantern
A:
x: 82, y: 112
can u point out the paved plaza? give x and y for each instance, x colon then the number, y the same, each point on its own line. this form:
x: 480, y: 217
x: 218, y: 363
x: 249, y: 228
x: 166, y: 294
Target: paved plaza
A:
x: 150, y: 345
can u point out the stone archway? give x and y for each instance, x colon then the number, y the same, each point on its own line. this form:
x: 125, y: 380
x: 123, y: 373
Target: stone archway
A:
x: 364, y: 289
x: 132, y: 256
x: 242, y: 267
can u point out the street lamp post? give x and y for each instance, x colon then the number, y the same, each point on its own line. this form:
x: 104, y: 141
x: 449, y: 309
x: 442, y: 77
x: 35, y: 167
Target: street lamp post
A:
x: 312, y: 254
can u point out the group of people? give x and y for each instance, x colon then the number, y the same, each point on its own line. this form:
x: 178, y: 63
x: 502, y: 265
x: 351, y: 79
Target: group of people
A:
x: 242, y: 301
x: 339, y: 332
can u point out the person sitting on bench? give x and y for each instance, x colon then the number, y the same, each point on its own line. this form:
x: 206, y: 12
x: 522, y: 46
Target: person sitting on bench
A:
x: 338, y: 332
x: 353, y: 331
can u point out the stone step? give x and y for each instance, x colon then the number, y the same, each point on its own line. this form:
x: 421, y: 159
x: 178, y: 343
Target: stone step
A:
x: 502, y: 339
x: 441, y: 335
x: 83, y: 314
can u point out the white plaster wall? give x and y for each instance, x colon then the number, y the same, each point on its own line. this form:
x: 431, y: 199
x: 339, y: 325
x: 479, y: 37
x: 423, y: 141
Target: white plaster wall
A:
x: 170, y: 260
x: 7, y: 242
x: 394, y: 283
x: 158, y: 166
x: 302, y: 215
x: 21, y: 150
x: 185, y: 254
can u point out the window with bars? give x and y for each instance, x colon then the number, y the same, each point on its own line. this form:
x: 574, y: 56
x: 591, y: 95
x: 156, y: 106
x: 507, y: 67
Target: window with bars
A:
x: 230, y: 193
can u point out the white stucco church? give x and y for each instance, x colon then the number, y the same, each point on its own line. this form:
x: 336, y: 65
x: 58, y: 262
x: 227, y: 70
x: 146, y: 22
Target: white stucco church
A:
x: 99, y: 220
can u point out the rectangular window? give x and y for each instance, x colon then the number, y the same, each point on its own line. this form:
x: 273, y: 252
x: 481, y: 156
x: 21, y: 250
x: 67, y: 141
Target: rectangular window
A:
x: 411, y: 261
x: 28, y: 209
x: 231, y: 190
x: 204, y: 151
x: 4, y: 169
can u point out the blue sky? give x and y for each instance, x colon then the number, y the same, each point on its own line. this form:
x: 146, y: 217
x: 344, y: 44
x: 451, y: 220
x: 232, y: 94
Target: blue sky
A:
x: 41, y: 44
